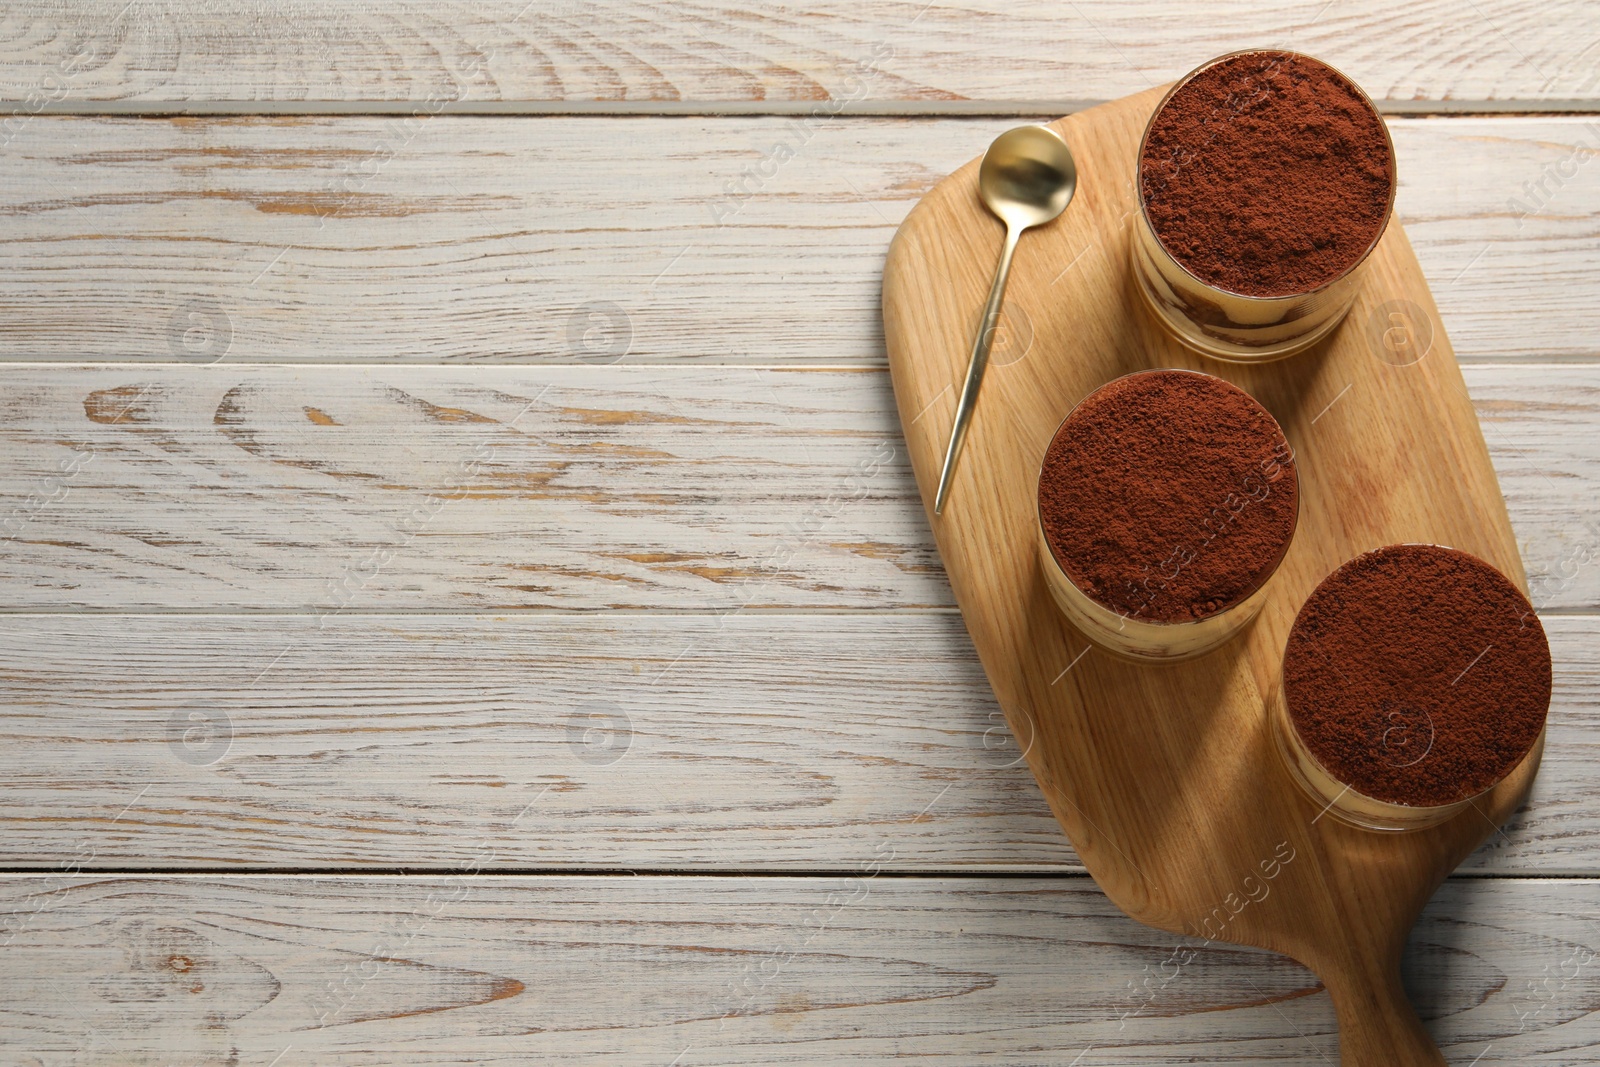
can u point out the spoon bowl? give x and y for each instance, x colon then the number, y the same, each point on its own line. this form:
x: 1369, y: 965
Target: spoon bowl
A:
x: 1027, y: 177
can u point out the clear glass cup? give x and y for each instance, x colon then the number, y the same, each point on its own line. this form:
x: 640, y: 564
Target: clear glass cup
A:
x: 1343, y: 801
x: 1147, y: 640
x: 1233, y: 326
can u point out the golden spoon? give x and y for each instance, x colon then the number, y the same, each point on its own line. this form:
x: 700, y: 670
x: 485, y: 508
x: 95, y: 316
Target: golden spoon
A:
x: 1027, y: 178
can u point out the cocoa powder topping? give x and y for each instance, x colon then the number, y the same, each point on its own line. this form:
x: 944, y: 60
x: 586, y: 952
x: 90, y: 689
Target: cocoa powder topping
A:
x: 1267, y: 174
x: 1417, y: 675
x: 1168, y: 495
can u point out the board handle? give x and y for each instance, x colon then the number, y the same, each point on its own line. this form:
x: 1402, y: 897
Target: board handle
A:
x: 1377, y: 1025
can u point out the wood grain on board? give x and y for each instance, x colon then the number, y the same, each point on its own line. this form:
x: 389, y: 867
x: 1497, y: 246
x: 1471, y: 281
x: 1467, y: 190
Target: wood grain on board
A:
x: 315, y: 489
x: 145, y: 972
x: 376, y: 240
x: 576, y: 742
x: 626, y: 54
x: 1165, y: 776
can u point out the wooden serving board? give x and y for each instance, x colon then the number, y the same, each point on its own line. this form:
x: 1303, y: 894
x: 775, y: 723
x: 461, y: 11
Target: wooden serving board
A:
x: 1164, y: 776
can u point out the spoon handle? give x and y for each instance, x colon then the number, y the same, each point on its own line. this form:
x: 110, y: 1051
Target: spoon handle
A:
x: 976, y: 365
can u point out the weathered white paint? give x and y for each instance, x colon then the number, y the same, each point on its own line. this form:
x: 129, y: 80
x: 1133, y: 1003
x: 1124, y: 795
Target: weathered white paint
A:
x: 640, y: 240
x: 703, y: 734
x: 652, y: 971
x: 627, y: 54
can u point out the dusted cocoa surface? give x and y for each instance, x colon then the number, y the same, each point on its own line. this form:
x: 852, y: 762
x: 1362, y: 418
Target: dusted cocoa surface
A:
x: 1267, y: 174
x: 1417, y: 675
x: 1168, y: 495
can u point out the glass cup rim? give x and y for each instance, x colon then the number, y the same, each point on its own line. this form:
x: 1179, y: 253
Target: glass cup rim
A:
x: 1388, y: 210
x: 1416, y: 809
x: 1261, y: 579
x: 1397, y: 817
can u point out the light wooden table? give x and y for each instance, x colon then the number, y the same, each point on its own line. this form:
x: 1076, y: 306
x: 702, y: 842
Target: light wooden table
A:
x: 467, y: 600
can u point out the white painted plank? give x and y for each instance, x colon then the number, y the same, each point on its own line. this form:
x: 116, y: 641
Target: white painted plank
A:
x: 1540, y: 447
x: 753, y: 742
x: 320, y: 489
x: 581, y: 742
x: 598, y: 240
x: 695, y: 971
x: 631, y: 53
x: 333, y: 488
